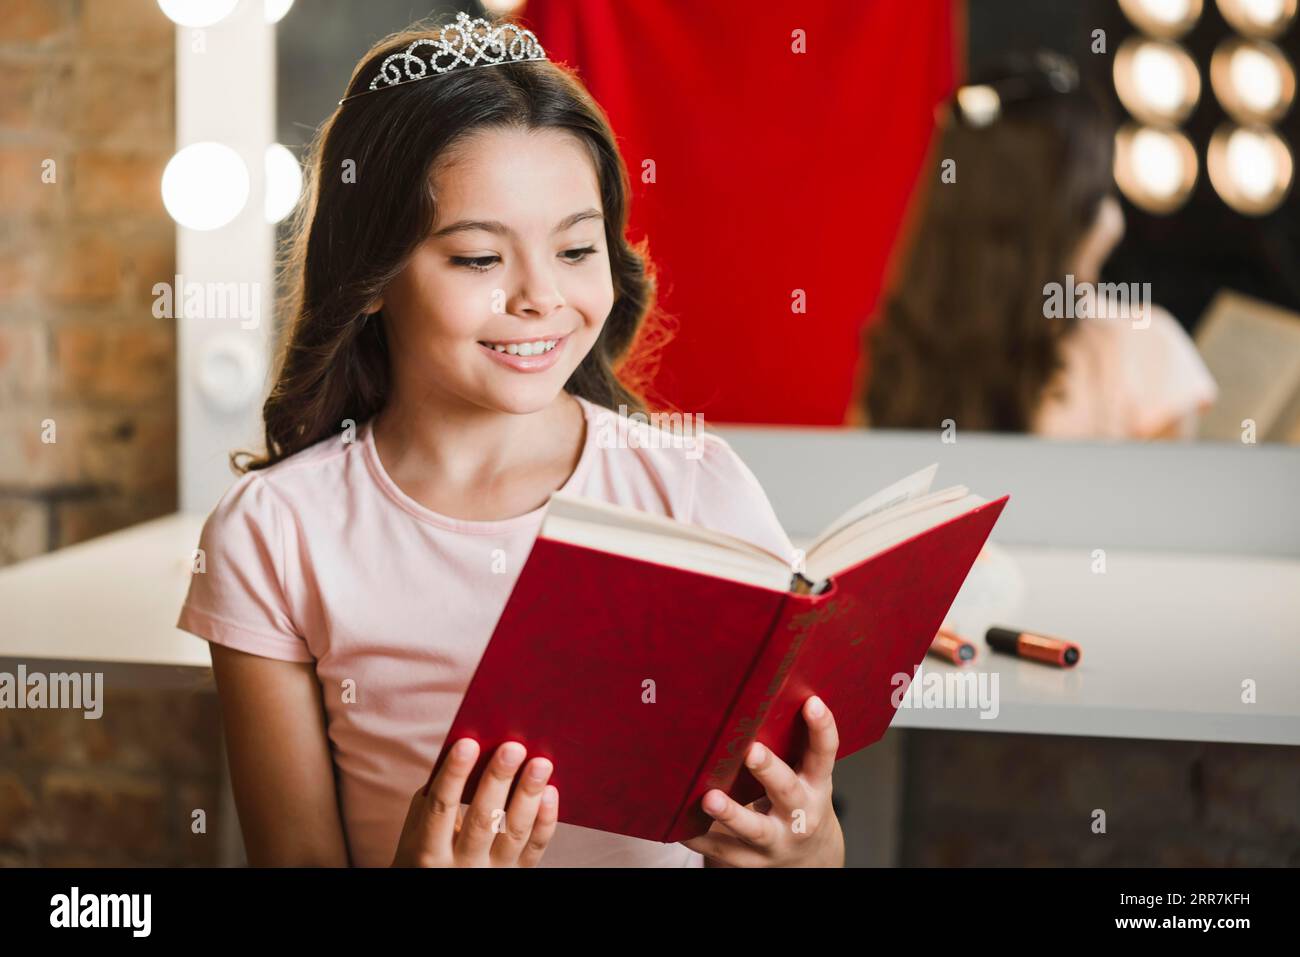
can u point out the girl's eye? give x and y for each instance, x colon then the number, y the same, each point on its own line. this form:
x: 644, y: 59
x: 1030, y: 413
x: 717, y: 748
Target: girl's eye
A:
x: 476, y: 263
x: 579, y: 254
x: 484, y: 263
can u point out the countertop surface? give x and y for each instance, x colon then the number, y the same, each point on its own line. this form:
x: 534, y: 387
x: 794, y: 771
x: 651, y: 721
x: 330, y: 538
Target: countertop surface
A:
x: 1169, y: 641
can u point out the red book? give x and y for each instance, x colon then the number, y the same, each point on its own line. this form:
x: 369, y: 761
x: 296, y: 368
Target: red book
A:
x: 643, y: 656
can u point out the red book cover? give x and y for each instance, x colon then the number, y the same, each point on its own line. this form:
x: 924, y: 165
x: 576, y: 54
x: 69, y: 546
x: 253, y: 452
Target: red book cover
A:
x: 646, y: 684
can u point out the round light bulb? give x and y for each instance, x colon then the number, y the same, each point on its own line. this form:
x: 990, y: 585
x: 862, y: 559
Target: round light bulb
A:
x: 1168, y: 19
x: 1157, y: 164
x: 1155, y: 168
x: 274, y: 10
x: 1260, y: 19
x: 1159, y: 78
x: 1168, y: 11
x: 197, y: 13
x: 1156, y: 80
x: 1251, y: 164
x: 1251, y: 168
x: 1263, y: 11
x: 283, y: 182
x: 205, y: 186
x: 1257, y: 79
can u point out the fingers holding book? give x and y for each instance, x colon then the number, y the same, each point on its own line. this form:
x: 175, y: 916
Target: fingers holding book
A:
x: 794, y: 824
x: 439, y: 833
x: 823, y: 742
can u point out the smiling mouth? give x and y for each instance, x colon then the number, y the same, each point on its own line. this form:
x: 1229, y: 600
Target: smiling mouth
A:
x: 533, y: 347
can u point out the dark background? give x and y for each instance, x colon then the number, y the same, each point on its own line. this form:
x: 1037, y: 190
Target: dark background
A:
x: 317, y: 45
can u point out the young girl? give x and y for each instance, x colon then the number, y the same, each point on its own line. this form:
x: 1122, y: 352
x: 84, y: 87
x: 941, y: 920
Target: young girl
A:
x: 463, y: 289
x: 964, y: 333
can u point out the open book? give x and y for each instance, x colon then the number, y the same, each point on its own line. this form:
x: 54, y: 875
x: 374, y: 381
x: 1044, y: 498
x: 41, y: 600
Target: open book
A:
x: 890, y: 516
x: 1252, y: 349
x: 643, y: 655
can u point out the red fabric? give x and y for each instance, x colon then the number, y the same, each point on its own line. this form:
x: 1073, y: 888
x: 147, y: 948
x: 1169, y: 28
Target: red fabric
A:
x: 776, y: 171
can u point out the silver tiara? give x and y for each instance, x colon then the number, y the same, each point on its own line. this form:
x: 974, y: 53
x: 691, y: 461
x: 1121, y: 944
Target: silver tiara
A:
x: 460, y: 45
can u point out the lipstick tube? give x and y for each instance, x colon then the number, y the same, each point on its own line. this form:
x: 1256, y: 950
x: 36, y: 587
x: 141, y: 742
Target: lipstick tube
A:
x: 1035, y: 647
x: 951, y: 646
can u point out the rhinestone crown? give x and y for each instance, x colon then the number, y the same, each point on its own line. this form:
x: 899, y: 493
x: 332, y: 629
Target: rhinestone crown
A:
x: 460, y: 45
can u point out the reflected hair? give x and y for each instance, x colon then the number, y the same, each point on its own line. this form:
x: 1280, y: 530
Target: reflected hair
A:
x: 961, y: 333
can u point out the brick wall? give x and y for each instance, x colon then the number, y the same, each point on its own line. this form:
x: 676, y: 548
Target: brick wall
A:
x: 993, y: 800
x: 87, y: 102
x: 89, y: 85
x: 118, y: 791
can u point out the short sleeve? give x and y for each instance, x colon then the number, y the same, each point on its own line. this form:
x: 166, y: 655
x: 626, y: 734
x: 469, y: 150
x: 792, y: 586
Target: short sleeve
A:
x: 726, y: 497
x: 1164, y: 378
x: 236, y: 596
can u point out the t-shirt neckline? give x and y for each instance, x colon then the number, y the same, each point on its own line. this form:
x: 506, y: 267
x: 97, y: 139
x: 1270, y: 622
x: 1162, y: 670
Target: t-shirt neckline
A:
x: 472, y: 526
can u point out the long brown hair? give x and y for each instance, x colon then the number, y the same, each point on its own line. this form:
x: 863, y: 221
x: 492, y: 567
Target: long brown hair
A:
x: 961, y: 334
x: 354, y: 233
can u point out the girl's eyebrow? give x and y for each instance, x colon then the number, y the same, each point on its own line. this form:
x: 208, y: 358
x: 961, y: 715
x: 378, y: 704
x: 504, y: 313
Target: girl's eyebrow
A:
x: 501, y: 229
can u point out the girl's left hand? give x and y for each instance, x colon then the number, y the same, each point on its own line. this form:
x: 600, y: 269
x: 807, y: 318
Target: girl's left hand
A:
x: 795, y: 825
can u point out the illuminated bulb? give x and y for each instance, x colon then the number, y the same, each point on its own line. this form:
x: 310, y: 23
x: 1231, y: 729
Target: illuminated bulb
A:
x: 274, y: 10
x: 1156, y: 162
x: 1159, y: 78
x: 1251, y: 168
x: 1258, y: 18
x: 1257, y: 79
x: 1155, y: 168
x: 197, y: 13
x: 979, y: 104
x: 1251, y: 164
x: 1156, y: 80
x: 1263, y: 12
x: 283, y: 182
x: 1162, y: 18
x: 1253, y: 80
x: 1168, y: 11
x: 205, y: 185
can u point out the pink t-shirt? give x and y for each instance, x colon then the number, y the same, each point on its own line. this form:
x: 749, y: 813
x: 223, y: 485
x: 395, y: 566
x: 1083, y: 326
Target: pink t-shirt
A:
x: 322, y: 558
x: 1122, y: 380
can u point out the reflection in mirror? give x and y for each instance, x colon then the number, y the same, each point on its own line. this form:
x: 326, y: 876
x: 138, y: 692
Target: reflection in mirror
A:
x: 1100, y: 243
x: 1071, y: 268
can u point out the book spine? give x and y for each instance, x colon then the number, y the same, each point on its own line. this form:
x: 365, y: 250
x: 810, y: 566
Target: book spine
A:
x: 761, y: 686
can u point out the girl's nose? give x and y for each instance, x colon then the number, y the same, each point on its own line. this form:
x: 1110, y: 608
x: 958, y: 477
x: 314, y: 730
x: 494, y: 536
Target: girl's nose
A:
x: 538, y: 294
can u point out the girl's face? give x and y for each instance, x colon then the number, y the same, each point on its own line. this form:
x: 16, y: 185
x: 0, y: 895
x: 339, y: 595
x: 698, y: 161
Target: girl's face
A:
x: 510, y: 290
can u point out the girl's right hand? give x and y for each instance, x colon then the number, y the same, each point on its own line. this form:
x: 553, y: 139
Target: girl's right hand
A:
x: 436, y: 834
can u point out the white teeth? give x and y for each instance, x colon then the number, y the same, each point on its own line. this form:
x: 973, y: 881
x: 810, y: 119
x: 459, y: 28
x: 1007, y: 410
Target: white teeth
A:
x: 524, y: 348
